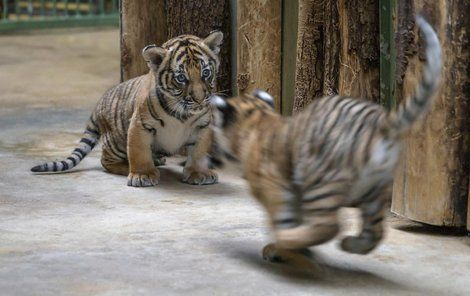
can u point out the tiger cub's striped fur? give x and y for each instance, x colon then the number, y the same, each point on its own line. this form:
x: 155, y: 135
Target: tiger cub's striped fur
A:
x: 156, y: 114
x: 338, y: 152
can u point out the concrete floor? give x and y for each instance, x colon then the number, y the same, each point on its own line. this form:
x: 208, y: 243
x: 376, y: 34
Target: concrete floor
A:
x: 87, y: 233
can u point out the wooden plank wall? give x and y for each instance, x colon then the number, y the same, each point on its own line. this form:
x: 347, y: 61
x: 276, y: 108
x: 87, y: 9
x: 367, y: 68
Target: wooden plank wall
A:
x: 431, y: 185
x: 432, y: 182
x: 259, y: 46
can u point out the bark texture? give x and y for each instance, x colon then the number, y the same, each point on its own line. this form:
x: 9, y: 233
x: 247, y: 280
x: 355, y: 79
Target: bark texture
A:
x: 360, y: 53
x: 337, y: 50
x: 259, y: 46
x: 404, y: 41
x: 318, y: 48
x: 146, y: 22
x: 432, y: 183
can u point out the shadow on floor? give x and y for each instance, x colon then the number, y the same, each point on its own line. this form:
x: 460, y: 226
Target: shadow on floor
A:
x: 421, y: 228
x: 333, y: 275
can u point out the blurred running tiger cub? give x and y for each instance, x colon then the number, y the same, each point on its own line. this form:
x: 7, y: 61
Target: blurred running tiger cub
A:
x: 144, y: 118
x: 338, y: 152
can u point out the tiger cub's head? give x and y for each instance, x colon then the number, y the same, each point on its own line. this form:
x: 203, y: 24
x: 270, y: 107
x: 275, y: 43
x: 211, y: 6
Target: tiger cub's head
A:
x: 185, y: 69
x: 234, y: 117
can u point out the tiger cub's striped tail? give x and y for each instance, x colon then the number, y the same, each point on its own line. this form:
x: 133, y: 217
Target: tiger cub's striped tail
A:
x: 413, y: 108
x: 90, y: 137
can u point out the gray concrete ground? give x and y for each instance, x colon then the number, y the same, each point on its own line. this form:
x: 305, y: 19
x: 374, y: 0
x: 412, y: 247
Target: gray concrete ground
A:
x: 87, y: 233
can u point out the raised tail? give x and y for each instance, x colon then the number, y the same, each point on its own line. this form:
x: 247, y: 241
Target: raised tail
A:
x: 90, y: 137
x: 408, y: 113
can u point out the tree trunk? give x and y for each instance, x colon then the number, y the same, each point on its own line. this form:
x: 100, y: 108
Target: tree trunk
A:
x: 146, y: 22
x: 259, y: 46
x: 142, y: 23
x: 200, y: 18
x: 432, y: 183
x: 337, y: 50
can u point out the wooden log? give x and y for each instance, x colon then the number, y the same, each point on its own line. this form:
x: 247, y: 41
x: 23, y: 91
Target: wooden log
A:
x: 200, y: 18
x: 143, y: 22
x: 259, y: 46
x: 432, y: 183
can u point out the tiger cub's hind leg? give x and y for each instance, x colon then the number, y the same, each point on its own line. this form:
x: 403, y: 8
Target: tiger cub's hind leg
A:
x: 113, y: 163
x: 373, y: 207
x: 283, y: 208
x: 319, y: 213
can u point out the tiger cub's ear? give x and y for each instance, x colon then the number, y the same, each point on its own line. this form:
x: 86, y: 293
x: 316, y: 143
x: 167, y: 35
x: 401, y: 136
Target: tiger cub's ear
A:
x: 153, y: 55
x: 218, y: 102
x: 264, y: 96
x: 227, y: 111
x: 214, y: 41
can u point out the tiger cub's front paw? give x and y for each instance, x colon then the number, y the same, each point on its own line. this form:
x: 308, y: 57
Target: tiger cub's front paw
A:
x: 143, y: 180
x: 194, y: 177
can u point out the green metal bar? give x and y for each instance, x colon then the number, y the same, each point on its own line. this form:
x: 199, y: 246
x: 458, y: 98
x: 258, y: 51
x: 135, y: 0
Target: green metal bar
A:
x: 42, y: 8
x: 66, y: 8
x: 101, y: 6
x: 290, y: 12
x: 387, y: 53
x: 114, y: 8
x: 84, y: 21
x: 90, y: 5
x: 30, y: 9
x: 17, y: 9
x: 54, y: 7
x: 5, y: 10
x: 233, y: 45
x: 77, y: 8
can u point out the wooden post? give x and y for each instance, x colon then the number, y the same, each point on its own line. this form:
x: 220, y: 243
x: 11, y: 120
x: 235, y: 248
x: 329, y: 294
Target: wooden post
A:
x: 259, y: 46
x: 387, y: 54
x: 432, y: 183
x: 337, y: 50
x: 200, y: 18
x: 318, y: 48
x: 143, y: 22
x: 359, y: 58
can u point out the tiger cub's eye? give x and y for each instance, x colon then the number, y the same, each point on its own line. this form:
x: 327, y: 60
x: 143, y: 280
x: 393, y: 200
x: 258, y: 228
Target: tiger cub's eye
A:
x: 180, y: 78
x: 206, y: 73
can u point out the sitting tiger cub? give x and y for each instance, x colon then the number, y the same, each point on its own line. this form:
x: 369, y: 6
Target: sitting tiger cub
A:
x: 156, y: 114
x: 338, y: 152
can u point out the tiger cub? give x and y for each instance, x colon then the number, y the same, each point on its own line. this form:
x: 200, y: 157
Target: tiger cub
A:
x: 338, y: 152
x: 143, y: 119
